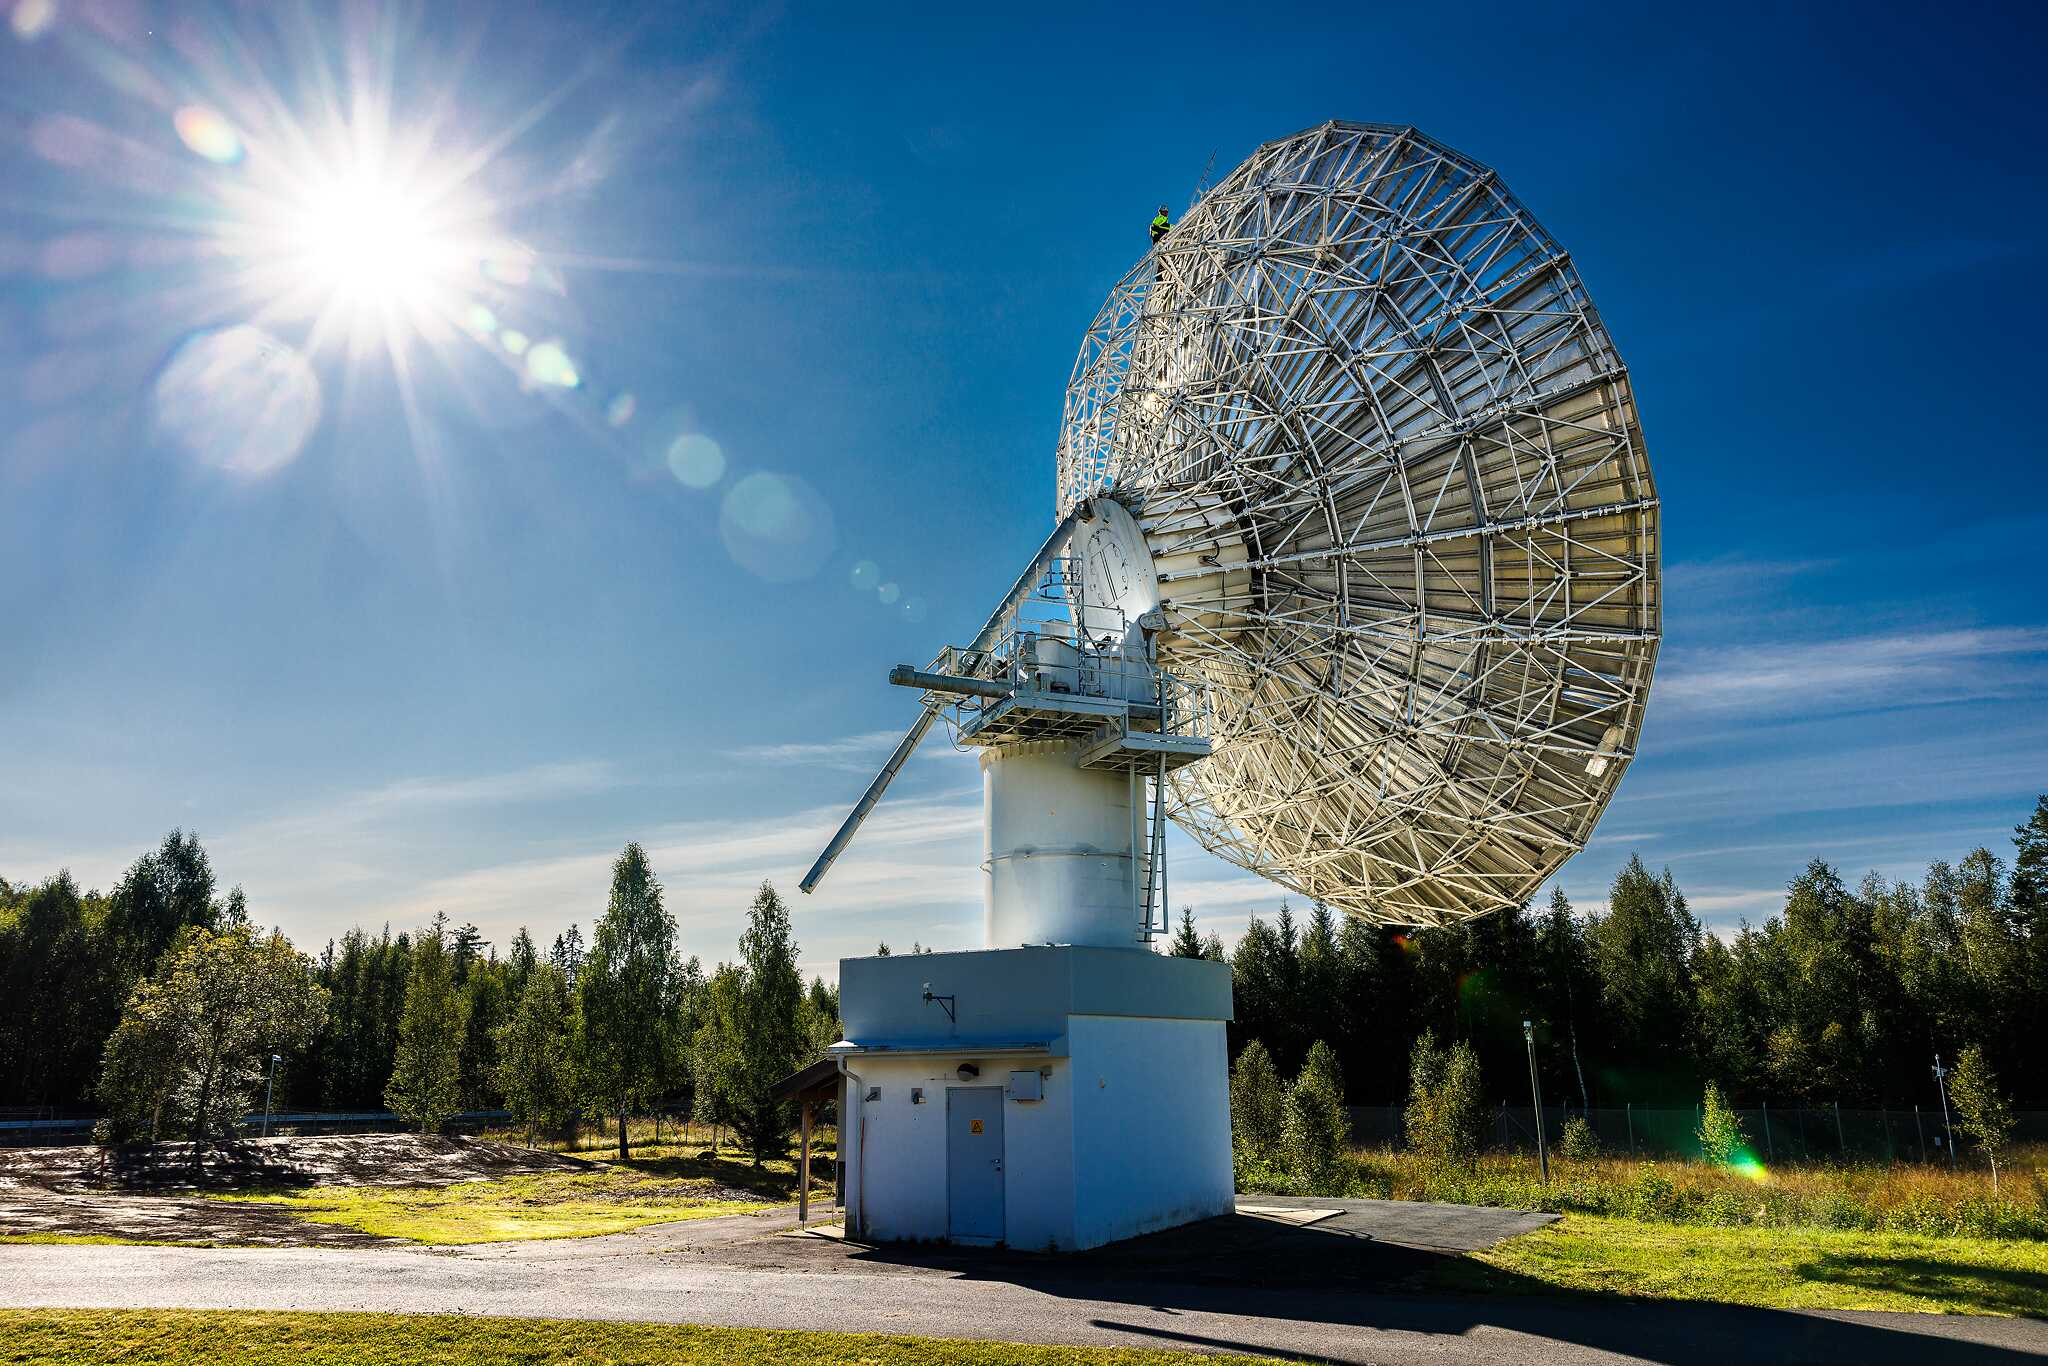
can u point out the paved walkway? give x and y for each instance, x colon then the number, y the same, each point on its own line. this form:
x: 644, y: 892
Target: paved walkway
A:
x: 1263, y: 1282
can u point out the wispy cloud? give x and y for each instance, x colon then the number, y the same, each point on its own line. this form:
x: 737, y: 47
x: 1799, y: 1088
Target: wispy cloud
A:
x: 863, y: 751
x: 913, y: 855
x: 1723, y: 575
x: 838, y: 753
x: 539, y: 782
x: 1878, y: 670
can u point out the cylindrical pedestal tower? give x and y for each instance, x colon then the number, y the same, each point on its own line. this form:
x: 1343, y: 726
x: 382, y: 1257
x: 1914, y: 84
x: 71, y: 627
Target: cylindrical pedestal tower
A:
x: 1060, y: 844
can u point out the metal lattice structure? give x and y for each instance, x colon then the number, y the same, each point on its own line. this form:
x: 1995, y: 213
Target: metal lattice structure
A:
x: 1389, y: 466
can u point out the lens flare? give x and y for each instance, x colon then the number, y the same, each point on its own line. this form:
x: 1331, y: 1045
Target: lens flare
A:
x: 888, y: 593
x: 549, y: 365
x: 776, y: 526
x: 31, y: 18
x: 866, y: 574
x: 1746, y: 1163
x: 698, y: 462
x: 237, y: 400
x: 207, y: 134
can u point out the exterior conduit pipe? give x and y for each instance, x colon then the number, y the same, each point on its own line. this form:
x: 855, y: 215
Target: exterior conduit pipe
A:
x: 858, y: 1225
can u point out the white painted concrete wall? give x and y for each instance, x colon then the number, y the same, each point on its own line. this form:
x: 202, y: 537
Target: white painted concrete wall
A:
x: 1132, y: 1136
x: 903, y: 1168
x: 1151, y: 1124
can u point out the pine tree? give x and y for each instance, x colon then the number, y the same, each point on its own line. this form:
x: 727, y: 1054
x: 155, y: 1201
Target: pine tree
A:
x: 1642, y: 948
x: 534, y: 1069
x: 1565, y: 978
x: 628, y: 993
x: 519, y: 961
x: 485, y: 1003
x: 1186, y: 943
x: 426, y: 1076
x: 768, y: 1045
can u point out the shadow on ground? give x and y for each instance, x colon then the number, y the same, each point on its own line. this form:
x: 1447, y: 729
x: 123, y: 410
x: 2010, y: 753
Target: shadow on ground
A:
x: 2006, y: 1289
x: 1362, y: 1271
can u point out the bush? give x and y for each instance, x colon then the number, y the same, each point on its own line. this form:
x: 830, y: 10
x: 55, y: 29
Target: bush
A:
x: 1720, y: 1132
x: 1981, y: 1109
x: 1578, y: 1143
x: 1445, y: 1116
x: 1313, y: 1129
x: 1256, y: 1104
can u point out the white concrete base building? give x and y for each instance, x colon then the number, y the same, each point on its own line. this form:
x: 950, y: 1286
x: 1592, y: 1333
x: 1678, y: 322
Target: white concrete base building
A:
x: 1046, y: 1098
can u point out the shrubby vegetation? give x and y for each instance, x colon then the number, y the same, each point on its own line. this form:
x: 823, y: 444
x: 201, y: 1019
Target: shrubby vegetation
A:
x: 1577, y: 1142
x: 1720, y: 1130
x: 1445, y: 1119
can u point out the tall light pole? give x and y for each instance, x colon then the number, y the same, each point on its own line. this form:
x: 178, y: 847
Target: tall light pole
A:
x: 267, y: 1086
x: 1536, y: 1099
x: 1948, y: 1134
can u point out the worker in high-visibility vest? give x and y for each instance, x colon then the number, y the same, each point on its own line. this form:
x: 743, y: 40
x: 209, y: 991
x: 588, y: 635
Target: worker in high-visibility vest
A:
x: 1160, y: 224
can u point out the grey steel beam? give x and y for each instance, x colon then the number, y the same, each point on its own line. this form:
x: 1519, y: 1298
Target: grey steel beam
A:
x: 990, y: 632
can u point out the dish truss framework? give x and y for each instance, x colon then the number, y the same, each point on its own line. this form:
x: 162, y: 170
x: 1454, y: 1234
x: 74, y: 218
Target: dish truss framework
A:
x: 1388, y: 463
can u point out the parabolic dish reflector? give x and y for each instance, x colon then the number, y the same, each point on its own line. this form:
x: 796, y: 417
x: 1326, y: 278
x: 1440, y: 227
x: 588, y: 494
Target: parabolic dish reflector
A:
x: 1388, y: 466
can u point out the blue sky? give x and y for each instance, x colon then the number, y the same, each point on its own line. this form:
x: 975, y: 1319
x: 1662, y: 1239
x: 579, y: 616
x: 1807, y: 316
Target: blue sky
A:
x: 439, y: 630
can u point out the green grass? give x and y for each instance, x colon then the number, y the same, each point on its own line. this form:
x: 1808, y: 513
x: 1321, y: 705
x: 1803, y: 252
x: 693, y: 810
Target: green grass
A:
x: 612, y: 1199
x: 149, y: 1337
x: 1774, y: 1268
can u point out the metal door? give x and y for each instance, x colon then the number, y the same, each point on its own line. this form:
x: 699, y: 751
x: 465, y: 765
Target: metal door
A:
x: 974, y: 1164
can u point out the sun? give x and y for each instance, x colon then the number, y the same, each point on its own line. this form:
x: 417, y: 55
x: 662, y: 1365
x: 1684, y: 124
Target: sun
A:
x: 371, y: 242
x: 362, y: 246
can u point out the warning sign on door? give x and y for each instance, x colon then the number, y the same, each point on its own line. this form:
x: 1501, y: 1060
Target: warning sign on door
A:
x: 973, y: 1126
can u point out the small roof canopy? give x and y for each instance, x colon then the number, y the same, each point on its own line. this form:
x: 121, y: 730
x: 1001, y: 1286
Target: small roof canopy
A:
x: 819, y: 1081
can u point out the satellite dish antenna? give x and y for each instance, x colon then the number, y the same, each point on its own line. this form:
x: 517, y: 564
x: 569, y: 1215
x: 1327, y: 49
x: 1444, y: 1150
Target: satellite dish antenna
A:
x: 1357, y: 434
x: 1354, y: 577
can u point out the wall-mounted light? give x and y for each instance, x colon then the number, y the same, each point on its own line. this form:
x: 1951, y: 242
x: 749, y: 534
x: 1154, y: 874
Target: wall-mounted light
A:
x: 969, y: 1071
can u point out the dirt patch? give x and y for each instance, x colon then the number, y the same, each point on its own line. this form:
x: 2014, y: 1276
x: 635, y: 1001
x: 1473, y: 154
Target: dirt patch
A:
x: 148, y: 1194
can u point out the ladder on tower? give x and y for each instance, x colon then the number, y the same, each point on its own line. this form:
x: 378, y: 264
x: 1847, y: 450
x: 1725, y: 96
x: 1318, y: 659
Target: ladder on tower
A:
x: 1154, y: 915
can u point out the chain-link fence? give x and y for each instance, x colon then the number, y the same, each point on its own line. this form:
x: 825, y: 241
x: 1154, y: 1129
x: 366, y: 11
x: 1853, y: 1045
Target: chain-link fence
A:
x: 1775, y: 1133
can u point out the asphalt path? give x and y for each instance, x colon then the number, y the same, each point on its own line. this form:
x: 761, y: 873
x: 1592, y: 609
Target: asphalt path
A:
x: 1256, y: 1283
